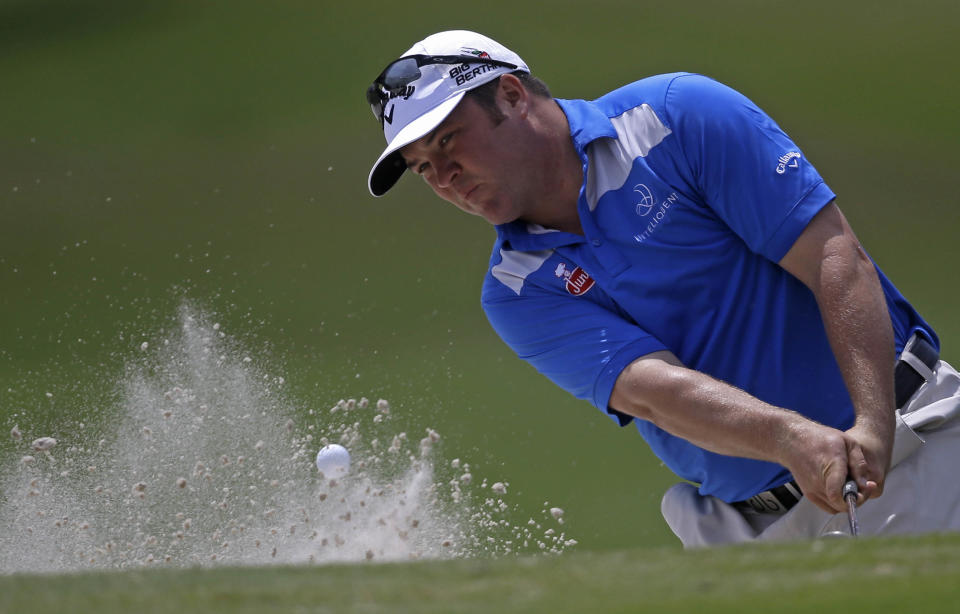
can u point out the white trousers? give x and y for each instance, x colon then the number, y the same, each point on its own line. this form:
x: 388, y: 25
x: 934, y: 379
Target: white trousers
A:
x: 921, y: 493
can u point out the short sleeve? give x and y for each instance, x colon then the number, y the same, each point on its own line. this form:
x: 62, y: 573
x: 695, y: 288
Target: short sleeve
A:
x: 749, y: 172
x: 578, y: 344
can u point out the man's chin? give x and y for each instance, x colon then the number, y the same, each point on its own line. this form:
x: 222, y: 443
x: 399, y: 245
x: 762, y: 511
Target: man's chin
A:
x: 497, y: 215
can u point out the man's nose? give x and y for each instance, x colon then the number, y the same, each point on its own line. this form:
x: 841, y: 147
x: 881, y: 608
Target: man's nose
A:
x: 447, y: 171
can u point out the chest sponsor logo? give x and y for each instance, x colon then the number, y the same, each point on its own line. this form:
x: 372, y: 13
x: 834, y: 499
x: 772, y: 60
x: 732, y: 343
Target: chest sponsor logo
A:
x: 647, y: 201
x: 651, y: 208
x: 577, y: 281
x: 788, y: 160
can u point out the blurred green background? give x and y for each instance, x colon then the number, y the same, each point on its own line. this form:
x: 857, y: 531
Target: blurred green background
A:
x: 216, y: 151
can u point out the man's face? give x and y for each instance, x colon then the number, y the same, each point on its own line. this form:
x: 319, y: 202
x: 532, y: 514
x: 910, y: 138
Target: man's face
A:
x: 473, y: 163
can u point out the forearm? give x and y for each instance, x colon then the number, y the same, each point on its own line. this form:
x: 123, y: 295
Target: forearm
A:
x: 706, y: 412
x: 858, y: 326
x: 828, y: 259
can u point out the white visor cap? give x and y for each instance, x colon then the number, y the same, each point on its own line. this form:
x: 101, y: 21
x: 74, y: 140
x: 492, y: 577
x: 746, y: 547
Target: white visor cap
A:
x: 427, y: 101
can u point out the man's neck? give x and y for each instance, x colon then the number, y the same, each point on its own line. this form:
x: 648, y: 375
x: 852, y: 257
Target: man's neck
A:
x: 562, y: 174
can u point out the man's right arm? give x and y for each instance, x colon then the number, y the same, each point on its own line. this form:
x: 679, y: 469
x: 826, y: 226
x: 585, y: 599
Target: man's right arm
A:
x: 724, y: 419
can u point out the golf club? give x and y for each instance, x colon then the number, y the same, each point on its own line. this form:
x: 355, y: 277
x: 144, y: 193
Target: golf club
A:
x: 850, y: 491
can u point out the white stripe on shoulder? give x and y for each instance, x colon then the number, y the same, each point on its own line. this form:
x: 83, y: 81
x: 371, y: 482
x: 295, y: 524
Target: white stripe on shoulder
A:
x: 639, y: 130
x: 515, y: 266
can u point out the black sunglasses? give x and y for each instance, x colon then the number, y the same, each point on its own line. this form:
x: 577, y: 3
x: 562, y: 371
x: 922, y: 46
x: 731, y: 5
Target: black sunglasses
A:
x: 400, y: 73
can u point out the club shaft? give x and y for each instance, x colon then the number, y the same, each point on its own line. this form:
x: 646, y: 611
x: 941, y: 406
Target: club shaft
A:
x: 850, y: 496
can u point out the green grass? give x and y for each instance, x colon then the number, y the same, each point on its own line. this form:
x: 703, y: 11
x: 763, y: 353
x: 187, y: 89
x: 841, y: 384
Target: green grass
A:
x: 917, y: 575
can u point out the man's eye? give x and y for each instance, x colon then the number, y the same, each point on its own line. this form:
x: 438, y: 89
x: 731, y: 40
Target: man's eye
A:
x: 445, y: 139
x: 422, y: 168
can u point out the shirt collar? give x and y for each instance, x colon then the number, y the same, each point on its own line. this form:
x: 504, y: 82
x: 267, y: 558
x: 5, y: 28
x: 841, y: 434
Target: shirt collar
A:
x: 525, y: 237
x: 587, y: 123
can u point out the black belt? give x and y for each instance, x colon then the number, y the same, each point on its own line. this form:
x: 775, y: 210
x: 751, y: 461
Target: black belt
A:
x: 908, y: 375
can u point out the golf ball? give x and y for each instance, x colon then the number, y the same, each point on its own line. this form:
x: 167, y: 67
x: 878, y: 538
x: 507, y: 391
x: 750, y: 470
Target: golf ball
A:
x: 333, y: 460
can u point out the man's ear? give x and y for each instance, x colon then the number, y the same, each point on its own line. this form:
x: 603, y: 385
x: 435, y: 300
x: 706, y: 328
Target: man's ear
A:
x: 512, y: 96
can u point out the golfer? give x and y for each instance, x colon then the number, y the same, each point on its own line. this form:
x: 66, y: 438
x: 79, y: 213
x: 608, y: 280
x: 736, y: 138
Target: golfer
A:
x: 667, y: 253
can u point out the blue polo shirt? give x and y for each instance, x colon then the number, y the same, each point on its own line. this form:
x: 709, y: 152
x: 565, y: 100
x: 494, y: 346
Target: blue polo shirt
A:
x: 691, y: 196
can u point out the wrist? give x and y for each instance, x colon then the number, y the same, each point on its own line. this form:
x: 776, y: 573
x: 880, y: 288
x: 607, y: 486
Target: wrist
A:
x: 880, y: 424
x: 792, y: 439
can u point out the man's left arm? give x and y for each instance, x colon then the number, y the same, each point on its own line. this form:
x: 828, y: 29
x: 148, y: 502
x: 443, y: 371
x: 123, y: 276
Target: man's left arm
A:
x: 828, y: 259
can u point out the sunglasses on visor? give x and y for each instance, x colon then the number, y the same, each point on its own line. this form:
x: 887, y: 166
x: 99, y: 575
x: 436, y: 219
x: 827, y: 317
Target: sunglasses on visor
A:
x: 404, y: 71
